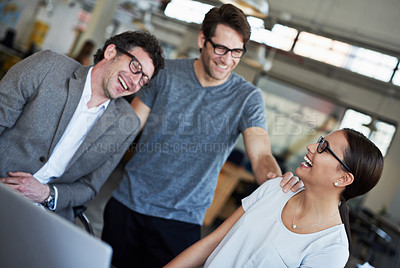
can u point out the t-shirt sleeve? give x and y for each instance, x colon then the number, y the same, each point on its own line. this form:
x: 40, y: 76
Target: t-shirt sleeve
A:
x: 254, y: 114
x: 263, y: 190
x: 148, y: 94
x: 337, y: 254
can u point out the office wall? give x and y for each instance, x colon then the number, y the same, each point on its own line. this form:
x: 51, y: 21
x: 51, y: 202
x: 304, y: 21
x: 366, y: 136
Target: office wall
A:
x: 63, y: 23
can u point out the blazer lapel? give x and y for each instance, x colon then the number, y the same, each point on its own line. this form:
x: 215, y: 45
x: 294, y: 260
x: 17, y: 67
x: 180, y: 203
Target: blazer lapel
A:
x: 74, y: 93
x: 107, y: 120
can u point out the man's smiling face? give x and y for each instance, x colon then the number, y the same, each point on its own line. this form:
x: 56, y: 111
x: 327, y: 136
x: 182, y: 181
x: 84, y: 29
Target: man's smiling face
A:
x: 217, y: 67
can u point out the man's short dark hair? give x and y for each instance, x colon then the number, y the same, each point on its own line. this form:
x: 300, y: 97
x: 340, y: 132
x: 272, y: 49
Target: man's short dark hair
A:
x: 131, y: 39
x: 228, y: 15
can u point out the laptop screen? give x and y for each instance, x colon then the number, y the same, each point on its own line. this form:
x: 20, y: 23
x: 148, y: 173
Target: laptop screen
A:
x: 33, y: 237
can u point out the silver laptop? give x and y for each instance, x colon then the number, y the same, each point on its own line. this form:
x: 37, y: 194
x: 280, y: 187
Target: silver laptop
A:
x: 35, y: 238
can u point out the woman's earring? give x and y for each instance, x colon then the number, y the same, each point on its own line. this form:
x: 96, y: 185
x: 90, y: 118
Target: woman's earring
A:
x: 336, y: 183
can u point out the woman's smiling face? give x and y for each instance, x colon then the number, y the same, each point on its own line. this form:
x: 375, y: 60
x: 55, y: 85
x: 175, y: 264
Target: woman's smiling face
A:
x: 323, y: 167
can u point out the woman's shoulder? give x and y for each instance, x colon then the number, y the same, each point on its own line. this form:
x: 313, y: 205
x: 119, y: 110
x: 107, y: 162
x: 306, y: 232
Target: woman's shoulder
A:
x: 270, y: 189
x: 272, y: 184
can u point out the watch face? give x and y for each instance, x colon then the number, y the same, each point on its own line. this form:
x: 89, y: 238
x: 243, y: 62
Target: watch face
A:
x: 50, y: 203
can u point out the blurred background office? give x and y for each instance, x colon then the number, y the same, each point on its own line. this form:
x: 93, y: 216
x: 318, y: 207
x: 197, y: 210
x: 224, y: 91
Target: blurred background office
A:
x: 321, y: 64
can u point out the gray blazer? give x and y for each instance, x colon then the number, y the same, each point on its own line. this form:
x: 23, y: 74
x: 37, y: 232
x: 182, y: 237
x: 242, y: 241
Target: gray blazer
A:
x: 38, y: 97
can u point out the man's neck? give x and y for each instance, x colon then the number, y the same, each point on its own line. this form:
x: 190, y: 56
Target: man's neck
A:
x: 205, y: 79
x: 98, y: 97
x: 95, y: 101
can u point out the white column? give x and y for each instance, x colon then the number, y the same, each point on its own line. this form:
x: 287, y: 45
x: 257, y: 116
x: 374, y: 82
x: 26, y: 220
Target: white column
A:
x: 101, y: 17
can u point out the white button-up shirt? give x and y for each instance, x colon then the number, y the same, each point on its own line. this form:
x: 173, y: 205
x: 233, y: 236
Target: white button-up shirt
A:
x: 81, y: 123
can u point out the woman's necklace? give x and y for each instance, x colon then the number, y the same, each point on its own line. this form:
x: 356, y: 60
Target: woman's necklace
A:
x: 308, y: 226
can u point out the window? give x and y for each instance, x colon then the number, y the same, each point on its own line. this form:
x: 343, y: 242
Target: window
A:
x: 396, y: 78
x: 322, y: 49
x: 281, y: 37
x: 371, y: 63
x: 379, y: 132
x: 187, y: 10
x: 356, y: 59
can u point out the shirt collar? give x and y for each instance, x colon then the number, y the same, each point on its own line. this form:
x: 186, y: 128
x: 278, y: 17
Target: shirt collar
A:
x: 87, y: 92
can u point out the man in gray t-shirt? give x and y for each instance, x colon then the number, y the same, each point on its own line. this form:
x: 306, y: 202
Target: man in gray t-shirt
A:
x: 191, y: 116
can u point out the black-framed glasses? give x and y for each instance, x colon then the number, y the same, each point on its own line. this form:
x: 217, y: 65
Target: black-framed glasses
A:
x: 222, y: 50
x: 323, y: 145
x: 136, y: 68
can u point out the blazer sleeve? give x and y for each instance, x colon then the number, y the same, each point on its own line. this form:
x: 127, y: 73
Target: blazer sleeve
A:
x: 20, y: 84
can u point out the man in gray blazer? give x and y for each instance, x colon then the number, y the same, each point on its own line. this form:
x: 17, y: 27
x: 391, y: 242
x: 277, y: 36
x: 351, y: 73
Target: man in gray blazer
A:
x: 64, y: 127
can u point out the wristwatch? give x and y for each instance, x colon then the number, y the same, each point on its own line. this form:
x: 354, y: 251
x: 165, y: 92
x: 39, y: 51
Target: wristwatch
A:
x: 50, y: 202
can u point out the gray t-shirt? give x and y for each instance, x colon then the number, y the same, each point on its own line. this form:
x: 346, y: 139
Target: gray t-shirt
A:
x: 189, y: 134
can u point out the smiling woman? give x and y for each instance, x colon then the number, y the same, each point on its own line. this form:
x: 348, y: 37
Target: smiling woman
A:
x: 323, y: 146
x: 301, y: 229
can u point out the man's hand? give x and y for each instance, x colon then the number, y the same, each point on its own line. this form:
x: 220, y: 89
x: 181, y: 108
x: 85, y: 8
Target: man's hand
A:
x: 27, y: 185
x: 289, y: 182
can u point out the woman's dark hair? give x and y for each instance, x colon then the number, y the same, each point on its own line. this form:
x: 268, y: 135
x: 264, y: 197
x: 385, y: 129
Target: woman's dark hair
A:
x: 366, y: 161
x: 129, y: 40
x: 228, y: 15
